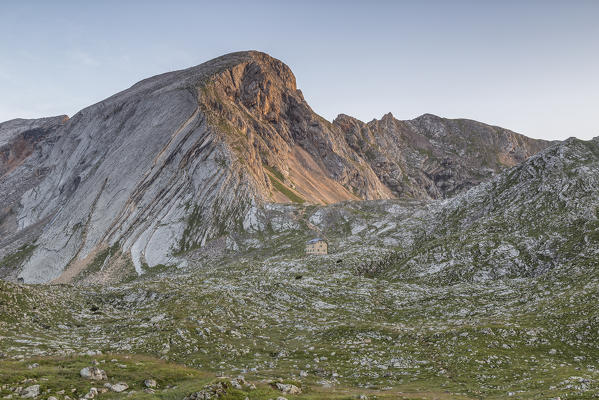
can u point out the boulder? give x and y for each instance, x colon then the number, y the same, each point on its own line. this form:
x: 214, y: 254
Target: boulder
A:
x: 93, y: 373
x: 30, y: 392
x: 150, y: 383
x: 288, y: 388
x: 119, y: 387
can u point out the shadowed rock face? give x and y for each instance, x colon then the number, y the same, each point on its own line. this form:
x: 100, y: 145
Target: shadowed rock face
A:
x: 432, y: 157
x: 181, y: 158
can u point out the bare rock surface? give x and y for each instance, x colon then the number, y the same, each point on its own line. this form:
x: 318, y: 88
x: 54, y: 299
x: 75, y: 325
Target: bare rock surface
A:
x: 183, y: 158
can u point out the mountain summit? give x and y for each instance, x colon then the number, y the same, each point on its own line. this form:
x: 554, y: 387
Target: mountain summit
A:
x: 183, y: 157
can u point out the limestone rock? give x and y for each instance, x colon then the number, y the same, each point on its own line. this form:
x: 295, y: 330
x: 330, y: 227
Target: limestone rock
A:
x: 150, y: 383
x: 93, y: 373
x: 288, y: 388
x: 119, y: 387
x: 30, y: 392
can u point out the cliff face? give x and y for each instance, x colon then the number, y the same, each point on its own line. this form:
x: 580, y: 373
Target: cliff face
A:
x: 180, y: 158
x: 271, y: 125
x: 293, y: 153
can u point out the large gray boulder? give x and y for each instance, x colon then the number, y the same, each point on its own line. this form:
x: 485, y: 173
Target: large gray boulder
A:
x: 30, y: 392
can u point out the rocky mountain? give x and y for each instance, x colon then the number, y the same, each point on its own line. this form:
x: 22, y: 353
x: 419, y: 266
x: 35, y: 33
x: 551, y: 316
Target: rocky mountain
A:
x: 183, y: 158
x: 540, y: 217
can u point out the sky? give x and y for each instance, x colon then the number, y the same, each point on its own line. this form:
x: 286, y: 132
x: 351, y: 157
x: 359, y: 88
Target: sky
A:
x: 529, y: 66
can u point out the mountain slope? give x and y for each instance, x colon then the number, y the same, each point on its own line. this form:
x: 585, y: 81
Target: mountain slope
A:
x: 181, y: 158
x: 538, y: 217
x: 24, y: 148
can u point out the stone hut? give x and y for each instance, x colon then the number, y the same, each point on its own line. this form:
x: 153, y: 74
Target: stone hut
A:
x: 317, y: 246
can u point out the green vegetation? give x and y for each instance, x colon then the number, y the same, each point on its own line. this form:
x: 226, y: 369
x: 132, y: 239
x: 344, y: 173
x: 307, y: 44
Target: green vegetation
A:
x: 273, y: 170
x: 99, y: 261
x: 285, y: 190
x: 60, y: 375
x: 16, y: 259
x: 192, y: 227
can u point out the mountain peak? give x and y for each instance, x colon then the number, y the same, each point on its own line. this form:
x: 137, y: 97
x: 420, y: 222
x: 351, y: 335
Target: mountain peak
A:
x: 387, y: 117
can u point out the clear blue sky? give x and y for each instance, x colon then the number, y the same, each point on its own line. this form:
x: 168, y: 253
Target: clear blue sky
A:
x: 530, y: 66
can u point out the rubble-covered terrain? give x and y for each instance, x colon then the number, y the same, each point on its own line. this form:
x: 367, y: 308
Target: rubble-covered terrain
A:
x: 493, y: 293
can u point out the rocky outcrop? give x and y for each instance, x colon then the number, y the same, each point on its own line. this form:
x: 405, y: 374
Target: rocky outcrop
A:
x: 285, y: 143
x: 19, y: 137
x: 432, y: 157
x: 24, y: 149
x: 184, y: 157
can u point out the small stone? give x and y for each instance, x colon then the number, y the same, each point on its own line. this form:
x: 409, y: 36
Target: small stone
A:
x: 119, y: 387
x: 91, y: 394
x: 150, y: 383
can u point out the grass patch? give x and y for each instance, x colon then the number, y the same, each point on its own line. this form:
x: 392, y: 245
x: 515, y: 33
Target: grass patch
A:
x: 17, y: 258
x: 292, y: 196
x: 273, y: 170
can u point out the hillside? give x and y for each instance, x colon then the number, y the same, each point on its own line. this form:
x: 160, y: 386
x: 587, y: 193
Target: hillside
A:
x: 416, y: 299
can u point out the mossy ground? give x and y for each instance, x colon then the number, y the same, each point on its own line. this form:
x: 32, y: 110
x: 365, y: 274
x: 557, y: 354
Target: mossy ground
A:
x: 174, y: 381
x: 354, y: 334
